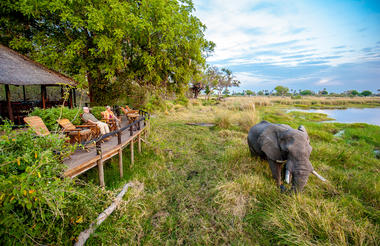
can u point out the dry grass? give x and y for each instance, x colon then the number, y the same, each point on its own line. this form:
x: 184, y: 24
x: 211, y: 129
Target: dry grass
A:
x: 235, y: 197
x: 308, y: 101
x: 223, y: 119
x: 319, y: 220
x: 248, y: 118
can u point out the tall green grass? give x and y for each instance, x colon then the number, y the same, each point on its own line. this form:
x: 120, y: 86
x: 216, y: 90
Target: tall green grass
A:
x: 202, y: 187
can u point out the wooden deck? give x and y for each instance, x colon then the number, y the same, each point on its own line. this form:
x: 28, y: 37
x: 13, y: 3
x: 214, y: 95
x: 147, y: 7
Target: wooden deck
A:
x: 81, y: 160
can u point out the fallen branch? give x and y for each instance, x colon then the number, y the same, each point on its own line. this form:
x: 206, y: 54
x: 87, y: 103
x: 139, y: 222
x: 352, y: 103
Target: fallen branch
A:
x: 84, y: 235
x: 145, y: 141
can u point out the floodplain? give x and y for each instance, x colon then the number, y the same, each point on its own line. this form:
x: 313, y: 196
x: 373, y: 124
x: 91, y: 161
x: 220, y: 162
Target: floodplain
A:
x: 202, y: 187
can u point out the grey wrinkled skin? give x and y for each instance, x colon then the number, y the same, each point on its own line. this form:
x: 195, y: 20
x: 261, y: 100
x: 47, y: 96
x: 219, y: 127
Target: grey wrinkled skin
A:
x: 278, y: 143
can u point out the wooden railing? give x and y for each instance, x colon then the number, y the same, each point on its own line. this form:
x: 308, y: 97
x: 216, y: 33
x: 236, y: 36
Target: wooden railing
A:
x: 137, y: 123
x: 118, y: 149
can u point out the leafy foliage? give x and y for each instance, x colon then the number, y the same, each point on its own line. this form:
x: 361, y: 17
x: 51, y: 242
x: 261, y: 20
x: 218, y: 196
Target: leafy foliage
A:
x: 38, y: 206
x: 306, y: 92
x: 51, y: 115
x: 281, y: 90
x: 366, y: 93
x: 219, y: 80
x: 107, y: 45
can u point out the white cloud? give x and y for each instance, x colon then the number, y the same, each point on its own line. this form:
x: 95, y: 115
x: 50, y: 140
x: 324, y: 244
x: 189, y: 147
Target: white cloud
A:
x: 241, y: 29
x: 327, y: 82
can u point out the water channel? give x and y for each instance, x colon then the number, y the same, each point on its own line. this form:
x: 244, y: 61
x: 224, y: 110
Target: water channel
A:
x: 350, y: 115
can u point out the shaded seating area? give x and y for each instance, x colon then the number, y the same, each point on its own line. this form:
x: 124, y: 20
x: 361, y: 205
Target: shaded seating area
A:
x: 83, y: 159
x: 19, y: 71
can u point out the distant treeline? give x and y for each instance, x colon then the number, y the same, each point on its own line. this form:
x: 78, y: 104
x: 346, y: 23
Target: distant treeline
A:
x: 285, y: 91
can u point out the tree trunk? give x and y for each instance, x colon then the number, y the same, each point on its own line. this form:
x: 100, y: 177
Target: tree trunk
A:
x: 90, y: 81
x: 196, y: 93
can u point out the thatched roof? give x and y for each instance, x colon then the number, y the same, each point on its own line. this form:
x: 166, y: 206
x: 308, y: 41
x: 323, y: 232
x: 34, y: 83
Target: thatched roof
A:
x: 16, y: 69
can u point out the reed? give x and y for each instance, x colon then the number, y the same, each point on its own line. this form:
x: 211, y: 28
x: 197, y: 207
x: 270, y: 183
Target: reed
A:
x: 239, y: 102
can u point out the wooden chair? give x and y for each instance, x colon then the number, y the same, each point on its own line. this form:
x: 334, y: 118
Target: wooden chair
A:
x: 127, y: 110
x: 112, y: 123
x: 95, y: 129
x: 79, y: 133
x: 37, y: 125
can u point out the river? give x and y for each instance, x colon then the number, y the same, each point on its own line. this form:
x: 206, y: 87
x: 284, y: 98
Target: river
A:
x: 350, y: 115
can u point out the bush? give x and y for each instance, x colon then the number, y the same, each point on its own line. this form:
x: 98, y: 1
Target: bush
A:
x: 182, y: 100
x: 247, y: 119
x: 96, y: 111
x: 38, y: 205
x: 155, y: 103
x: 223, y: 120
x: 51, y: 115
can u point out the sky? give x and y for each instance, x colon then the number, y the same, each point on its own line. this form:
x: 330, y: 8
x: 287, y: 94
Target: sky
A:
x: 300, y: 44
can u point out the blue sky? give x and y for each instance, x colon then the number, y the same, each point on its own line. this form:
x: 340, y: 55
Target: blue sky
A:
x: 301, y: 44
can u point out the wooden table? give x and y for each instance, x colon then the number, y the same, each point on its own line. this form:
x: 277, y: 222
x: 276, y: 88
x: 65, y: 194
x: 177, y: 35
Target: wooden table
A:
x: 132, y: 117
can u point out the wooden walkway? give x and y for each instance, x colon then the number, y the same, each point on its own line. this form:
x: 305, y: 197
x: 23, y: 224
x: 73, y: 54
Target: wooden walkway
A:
x: 81, y: 160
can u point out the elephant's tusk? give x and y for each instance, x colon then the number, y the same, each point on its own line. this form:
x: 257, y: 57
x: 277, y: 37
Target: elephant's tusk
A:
x: 280, y: 162
x: 318, y: 176
x: 287, y: 176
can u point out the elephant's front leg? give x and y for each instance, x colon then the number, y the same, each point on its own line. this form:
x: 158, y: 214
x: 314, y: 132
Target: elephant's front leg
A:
x: 276, y: 172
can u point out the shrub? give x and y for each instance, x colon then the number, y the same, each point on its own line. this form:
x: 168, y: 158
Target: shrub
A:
x: 38, y: 205
x: 247, y: 119
x: 223, y: 120
x: 51, y: 115
x: 154, y: 103
x: 182, y: 100
x: 96, y: 111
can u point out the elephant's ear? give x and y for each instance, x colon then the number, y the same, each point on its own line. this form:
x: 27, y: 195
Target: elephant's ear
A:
x: 270, y: 146
x: 302, y: 129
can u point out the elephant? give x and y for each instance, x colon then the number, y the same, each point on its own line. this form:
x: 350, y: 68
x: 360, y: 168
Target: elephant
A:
x: 283, y: 146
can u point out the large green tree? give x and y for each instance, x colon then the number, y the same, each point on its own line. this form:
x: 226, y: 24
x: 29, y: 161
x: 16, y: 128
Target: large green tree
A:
x: 110, y: 43
x: 281, y: 90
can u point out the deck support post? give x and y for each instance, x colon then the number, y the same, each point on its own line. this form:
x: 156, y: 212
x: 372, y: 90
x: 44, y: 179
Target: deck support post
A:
x: 121, y: 162
x: 101, y: 173
x: 132, y: 157
x: 119, y: 138
x: 139, y: 142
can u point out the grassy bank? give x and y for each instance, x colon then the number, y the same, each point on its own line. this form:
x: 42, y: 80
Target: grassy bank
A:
x: 202, y: 187
x: 308, y: 102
